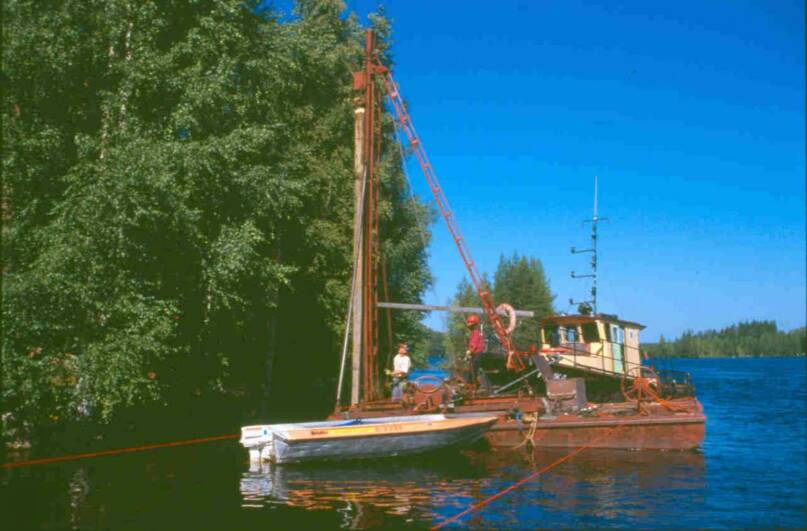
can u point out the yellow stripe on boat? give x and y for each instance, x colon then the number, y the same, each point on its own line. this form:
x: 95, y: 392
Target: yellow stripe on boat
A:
x: 382, y: 429
x: 358, y: 430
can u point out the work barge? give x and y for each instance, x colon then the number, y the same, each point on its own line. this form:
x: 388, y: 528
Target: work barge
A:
x: 585, y: 384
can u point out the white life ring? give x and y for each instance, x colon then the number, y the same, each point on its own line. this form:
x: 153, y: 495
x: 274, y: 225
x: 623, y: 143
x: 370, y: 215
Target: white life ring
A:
x: 511, y: 316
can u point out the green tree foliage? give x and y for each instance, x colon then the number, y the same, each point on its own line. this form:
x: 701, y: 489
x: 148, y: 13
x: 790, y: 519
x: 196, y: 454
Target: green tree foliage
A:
x: 177, y: 204
x: 456, y: 335
x: 435, y: 346
x: 519, y: 281
x: 752, y: 338
x: 428, y: 345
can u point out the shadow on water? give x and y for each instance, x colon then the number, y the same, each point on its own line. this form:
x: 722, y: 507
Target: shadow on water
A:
x: 427, y: 489
x: 749, y: 474
x: 214, y: 487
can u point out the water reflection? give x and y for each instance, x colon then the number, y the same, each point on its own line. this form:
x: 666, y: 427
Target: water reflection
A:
x: 359, y: 491
x: 751, y: 481
x: 607, y: 485
x: 78, y: 489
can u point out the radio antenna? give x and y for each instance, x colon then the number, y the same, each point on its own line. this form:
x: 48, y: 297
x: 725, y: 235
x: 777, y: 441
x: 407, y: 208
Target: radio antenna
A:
x: 591, y: 304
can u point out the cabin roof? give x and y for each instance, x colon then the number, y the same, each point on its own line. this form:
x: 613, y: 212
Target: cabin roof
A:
x: 580, y: 319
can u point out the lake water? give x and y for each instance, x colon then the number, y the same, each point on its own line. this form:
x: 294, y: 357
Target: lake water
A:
x: 750, y: 473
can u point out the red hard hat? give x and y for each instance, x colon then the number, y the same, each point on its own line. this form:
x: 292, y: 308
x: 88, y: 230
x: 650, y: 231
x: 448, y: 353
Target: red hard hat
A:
x: 472, y: 320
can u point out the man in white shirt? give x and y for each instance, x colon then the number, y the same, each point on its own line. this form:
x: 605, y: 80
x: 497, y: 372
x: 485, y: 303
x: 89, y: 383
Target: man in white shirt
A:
x: 400, y: 370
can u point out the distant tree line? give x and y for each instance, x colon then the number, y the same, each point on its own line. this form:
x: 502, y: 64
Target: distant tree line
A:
x: 752, y: 338
x: 177, y: 205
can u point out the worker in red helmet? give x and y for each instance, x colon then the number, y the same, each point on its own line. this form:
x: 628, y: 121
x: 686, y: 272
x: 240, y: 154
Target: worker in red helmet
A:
x: 476, y: 346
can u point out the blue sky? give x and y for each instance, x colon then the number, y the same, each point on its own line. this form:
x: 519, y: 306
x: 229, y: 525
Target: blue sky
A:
x: 692, y: 114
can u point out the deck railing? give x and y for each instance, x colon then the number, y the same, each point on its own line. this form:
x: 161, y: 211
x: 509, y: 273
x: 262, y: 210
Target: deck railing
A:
x: 571, y: 352
x: 577, y: 351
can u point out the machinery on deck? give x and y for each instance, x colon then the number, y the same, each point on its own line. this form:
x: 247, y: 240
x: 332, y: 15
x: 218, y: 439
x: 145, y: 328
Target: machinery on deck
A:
x: 565, y: 393
x: 557, y: 404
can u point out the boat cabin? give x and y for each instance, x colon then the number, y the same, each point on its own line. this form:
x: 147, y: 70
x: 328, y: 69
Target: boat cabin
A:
x: 599, y: 343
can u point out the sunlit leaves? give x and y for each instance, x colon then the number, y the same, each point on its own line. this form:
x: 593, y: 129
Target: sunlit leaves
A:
x: 177, y: 181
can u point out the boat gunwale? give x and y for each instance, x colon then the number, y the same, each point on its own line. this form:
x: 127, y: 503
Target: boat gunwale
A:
x: 457, y: 424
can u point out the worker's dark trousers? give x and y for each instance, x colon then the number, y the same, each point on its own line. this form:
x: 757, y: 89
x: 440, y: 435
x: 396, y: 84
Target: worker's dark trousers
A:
x: 478, y: 377
x: 397, y: 388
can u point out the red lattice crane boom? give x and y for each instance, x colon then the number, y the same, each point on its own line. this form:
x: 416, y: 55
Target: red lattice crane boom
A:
x: 514, y: 361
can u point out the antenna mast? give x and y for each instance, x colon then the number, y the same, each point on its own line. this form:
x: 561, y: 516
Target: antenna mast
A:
x: 593, y: 250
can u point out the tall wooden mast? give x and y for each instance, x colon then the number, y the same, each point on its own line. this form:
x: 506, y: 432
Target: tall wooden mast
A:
x: 365, y: 369
x: 358, y: 208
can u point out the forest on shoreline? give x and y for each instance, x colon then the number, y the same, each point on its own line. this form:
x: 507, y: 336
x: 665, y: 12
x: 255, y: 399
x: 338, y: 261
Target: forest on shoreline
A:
x: 745, y: 339
x: 177, y: 205
x: 177, y: 208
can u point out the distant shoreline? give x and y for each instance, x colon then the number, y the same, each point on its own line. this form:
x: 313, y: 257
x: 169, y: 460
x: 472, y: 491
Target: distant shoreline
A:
x: 800, y: 355
x: 751, y: 339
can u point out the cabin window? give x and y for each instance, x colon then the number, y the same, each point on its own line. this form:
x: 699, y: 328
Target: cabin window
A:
x: 591, y: 333
x: 551, y: 335
x: 571, y: 335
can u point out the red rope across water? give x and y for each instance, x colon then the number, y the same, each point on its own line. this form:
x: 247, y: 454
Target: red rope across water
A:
x: 519, y: 483
x: 473, y: 508
x: 72, y: 457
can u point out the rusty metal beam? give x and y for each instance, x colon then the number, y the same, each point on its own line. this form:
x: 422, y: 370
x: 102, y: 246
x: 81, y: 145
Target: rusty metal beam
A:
x: 453, y: 309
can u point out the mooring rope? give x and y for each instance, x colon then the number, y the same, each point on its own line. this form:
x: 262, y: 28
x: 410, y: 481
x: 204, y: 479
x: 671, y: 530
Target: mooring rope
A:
x: 530, y: 437
x: 669, y: 406
x: 487, y: 501
x: 102, y: 453
x: 473, y: 508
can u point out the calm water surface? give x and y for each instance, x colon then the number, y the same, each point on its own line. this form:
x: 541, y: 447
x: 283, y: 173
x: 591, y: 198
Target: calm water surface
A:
x: 750, y: 473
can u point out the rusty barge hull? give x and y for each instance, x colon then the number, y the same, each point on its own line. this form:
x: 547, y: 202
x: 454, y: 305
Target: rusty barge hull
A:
x: 615, y: 426
x: 631, y: 434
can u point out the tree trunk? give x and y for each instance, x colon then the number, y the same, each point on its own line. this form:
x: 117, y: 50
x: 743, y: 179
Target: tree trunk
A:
x: 269, y: 361
x: 271, y: 343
